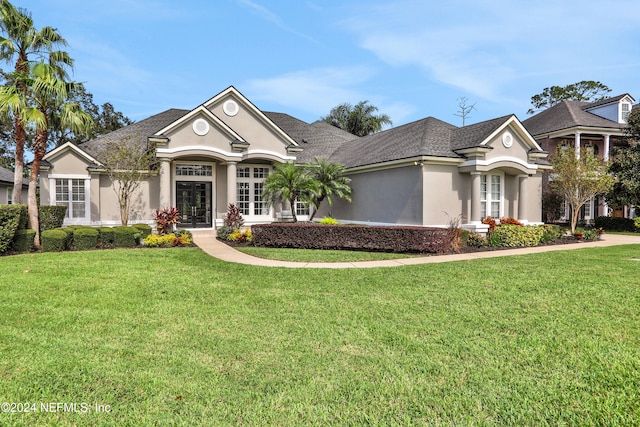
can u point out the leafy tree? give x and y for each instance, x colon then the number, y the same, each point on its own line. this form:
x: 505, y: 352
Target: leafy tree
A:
x: 586, y: 90
x: 19, y: 43
x: 331, y: 180
x: 288, y: 183
x: 33, y: 96
x: 625, y: 166
x: 578, y: 179
x: 127, y: 162
x: 358, y: 120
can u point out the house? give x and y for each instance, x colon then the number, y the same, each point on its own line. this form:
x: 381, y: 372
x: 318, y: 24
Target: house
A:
x: 596, y: 126
x: 6, y: 187
x: 423, y: 173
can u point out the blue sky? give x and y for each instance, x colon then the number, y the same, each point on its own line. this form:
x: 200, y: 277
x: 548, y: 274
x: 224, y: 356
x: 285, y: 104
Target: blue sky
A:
x: 411, y: 59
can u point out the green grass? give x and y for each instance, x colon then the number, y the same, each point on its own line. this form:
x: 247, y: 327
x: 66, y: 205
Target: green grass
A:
x: 311, y: 255
x: 175, y: 337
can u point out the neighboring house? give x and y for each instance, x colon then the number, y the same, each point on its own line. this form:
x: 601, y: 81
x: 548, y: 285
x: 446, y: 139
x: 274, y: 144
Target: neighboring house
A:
x: 424, y: 173
x: 6, y: 187
x: 596, y: 126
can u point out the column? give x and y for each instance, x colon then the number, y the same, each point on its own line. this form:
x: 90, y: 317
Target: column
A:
x: 577, y: 145
x: 605, y: 155
x: 165, y: 183
x: 475, y: 198
x: 522, y: 198
x: 232, y: 191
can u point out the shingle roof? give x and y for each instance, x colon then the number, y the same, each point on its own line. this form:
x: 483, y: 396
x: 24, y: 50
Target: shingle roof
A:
x: 472, y: 135
x: 567, y: 115
x: 6, y: 176
x: 318, y: 139
x: 137, y: 131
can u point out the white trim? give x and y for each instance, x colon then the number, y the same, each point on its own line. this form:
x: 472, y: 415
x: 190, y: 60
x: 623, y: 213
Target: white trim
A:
x: 521, y: 130
x: 478, y: 162
x: 68, y: 176
x: 228, y: 154
x: 201, y: 110
x: 72, y: 147
x: 87, y: 197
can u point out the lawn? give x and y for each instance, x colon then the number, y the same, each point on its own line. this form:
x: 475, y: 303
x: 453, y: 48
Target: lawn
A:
x: 175, y: 337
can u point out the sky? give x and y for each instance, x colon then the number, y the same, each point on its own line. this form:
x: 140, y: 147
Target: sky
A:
x: 411, y: 59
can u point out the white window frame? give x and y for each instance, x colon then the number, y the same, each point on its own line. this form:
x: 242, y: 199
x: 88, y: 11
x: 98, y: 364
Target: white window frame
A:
x: 486, y: 196
x: 69, y: 219
x: 10, y: 195
x: 255, y: 177
x: 625, y: 110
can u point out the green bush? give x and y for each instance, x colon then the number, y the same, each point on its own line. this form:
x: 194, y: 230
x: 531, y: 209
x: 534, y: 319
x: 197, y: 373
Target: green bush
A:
x: 636, y: 223
x: 157, y: 240
x: 551, y: 232
x: 23, y: 240
x: 512, y: 236
x: 223, y: 232
x: 51, y: 217
x: 612, y: 223
x: 69, y: 233
x: 54, y: 240
x: 85, y: 238
x: 328, y: 220
x: 144, y: 229
x: 10, y: 222
x: 125, y: 237
x: 106, y: 237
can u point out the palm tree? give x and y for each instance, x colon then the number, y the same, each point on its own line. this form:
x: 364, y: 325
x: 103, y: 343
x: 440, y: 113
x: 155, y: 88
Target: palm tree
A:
x: 331, y: 181
x: 34, y: 97
x: 358, y: 120
x: 19, y: 42
x: 287, y: 183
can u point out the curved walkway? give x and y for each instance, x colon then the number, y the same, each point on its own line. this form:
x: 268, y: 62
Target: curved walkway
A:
x: 207, y: 241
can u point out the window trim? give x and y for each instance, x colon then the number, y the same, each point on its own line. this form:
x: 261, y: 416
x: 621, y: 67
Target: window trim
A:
x: 69, y: 220
x: 252, y: 181
x: 485, y: 203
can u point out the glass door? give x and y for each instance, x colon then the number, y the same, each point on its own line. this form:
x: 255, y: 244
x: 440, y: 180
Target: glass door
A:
x: 193, y: 199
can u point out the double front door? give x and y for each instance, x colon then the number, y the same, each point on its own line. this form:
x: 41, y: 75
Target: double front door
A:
x: 193, y: 198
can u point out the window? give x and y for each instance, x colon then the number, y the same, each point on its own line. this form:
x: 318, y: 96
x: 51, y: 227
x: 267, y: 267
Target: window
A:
x: 71, y: 193
x: 490, y: 196
x: 9, y: 195
x: 302, y: 208
x: 250, y: 185
x: 626, y: 109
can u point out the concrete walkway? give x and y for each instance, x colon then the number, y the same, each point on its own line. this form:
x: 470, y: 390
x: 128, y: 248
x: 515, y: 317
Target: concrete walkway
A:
x: 207, y: 241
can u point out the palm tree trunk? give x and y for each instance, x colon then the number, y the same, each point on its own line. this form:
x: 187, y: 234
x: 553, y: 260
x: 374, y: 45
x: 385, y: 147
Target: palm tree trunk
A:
x: 39, y: 148
x: 20, y: 137
x: 292, y: 202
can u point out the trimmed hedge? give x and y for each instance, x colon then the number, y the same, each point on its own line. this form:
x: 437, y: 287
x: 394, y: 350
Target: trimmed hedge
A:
x: 12, y: 219
x: 353, y: 237
x: 51, y: 217
x: 54, y: 240
x: 85, y: 238
x: 515, y: 236
x: 106, y: 237
x: 23, y: 240
x: 125, y: 237
x: 145, y: 229
x: 612, y: 223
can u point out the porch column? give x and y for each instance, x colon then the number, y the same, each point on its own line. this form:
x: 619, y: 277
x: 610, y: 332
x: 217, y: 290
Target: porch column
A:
x: 165, y: 183
x: 232, y: 190
x: 475, y: 198
x: 606, y: 147
x: 522, y: 198
x: 577, y: 145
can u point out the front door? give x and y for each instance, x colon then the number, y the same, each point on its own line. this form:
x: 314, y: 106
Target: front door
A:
x: 194, y: 201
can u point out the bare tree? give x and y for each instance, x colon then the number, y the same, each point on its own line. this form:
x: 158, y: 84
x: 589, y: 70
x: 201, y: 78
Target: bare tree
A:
x: 464, y: 110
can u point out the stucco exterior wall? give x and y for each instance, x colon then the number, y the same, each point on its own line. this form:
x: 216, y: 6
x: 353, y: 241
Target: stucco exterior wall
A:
x: 390, y: 196
x: 445, y: 194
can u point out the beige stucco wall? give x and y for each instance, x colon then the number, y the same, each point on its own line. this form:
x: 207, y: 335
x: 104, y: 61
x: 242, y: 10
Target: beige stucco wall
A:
x: 445, y: 194
x: 104, y: 201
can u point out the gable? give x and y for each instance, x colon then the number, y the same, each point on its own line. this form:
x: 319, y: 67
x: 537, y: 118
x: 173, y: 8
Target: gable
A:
x: 69, y: 161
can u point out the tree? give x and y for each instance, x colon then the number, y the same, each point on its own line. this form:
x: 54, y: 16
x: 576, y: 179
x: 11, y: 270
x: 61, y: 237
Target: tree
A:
x: 33, y: 97
x: 586, y: 90
x: 625, y: 166
x: 464, y: 110
x: 19, y: 43
x: 287, y: 183
x: 127, y: 163
x: 358, y: 120
x: 579, y: 178
x: 331, y: 180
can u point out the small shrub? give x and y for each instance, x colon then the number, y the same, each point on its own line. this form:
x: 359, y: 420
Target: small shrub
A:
x: 85, y: 238
x: 491, y: 222
x: 23, y: 240
x: 612, y: 223
x: 54, y: 240
x: 476, y: 240
x: 328, y: 220
x: 167, y: 240
x: 223, y: 232
x: 125, y: 237
x: 509, y: 235
x: 512, y: 221
x: 51, y: 217
x: 240, y: 235
x: 636, y: 223
x: 106, y: 237
x: 233, y: 218
x: 592, y: 234
x: 166, y: 219
x: 144, y: 229
x: 181, y: 232
x: 551, y: 232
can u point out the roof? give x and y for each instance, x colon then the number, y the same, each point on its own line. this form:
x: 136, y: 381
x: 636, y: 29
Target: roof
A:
x: 570, y: 114
x: 318, y: 139
x: 6, y: 176
x: 137, y: 131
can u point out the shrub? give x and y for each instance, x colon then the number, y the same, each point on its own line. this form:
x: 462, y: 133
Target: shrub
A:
x: 476, y: 240
x: 509, y: 235
x: 68, y: 231
x: 592, y: 234
x: 105, y: 237
x: 353, y: 237
x: 51, y: 217
x: 233, y: 218
x: 10, y: 222
x: 551, y: 232
x: 509, y: 220
x: 328, y: 220
x: 491, y: 222
x: 168, y: 240
x: 238, y: 235
x: 166, y: 219
x: 223, y: 232
x: 54, y: 240
x: 636, y: 223
x: 181, y: 232
x: 85, y: 238
x: 125, y: 237
x: 23, y: 240
x: 612, y: 223
x: 144, y: 229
